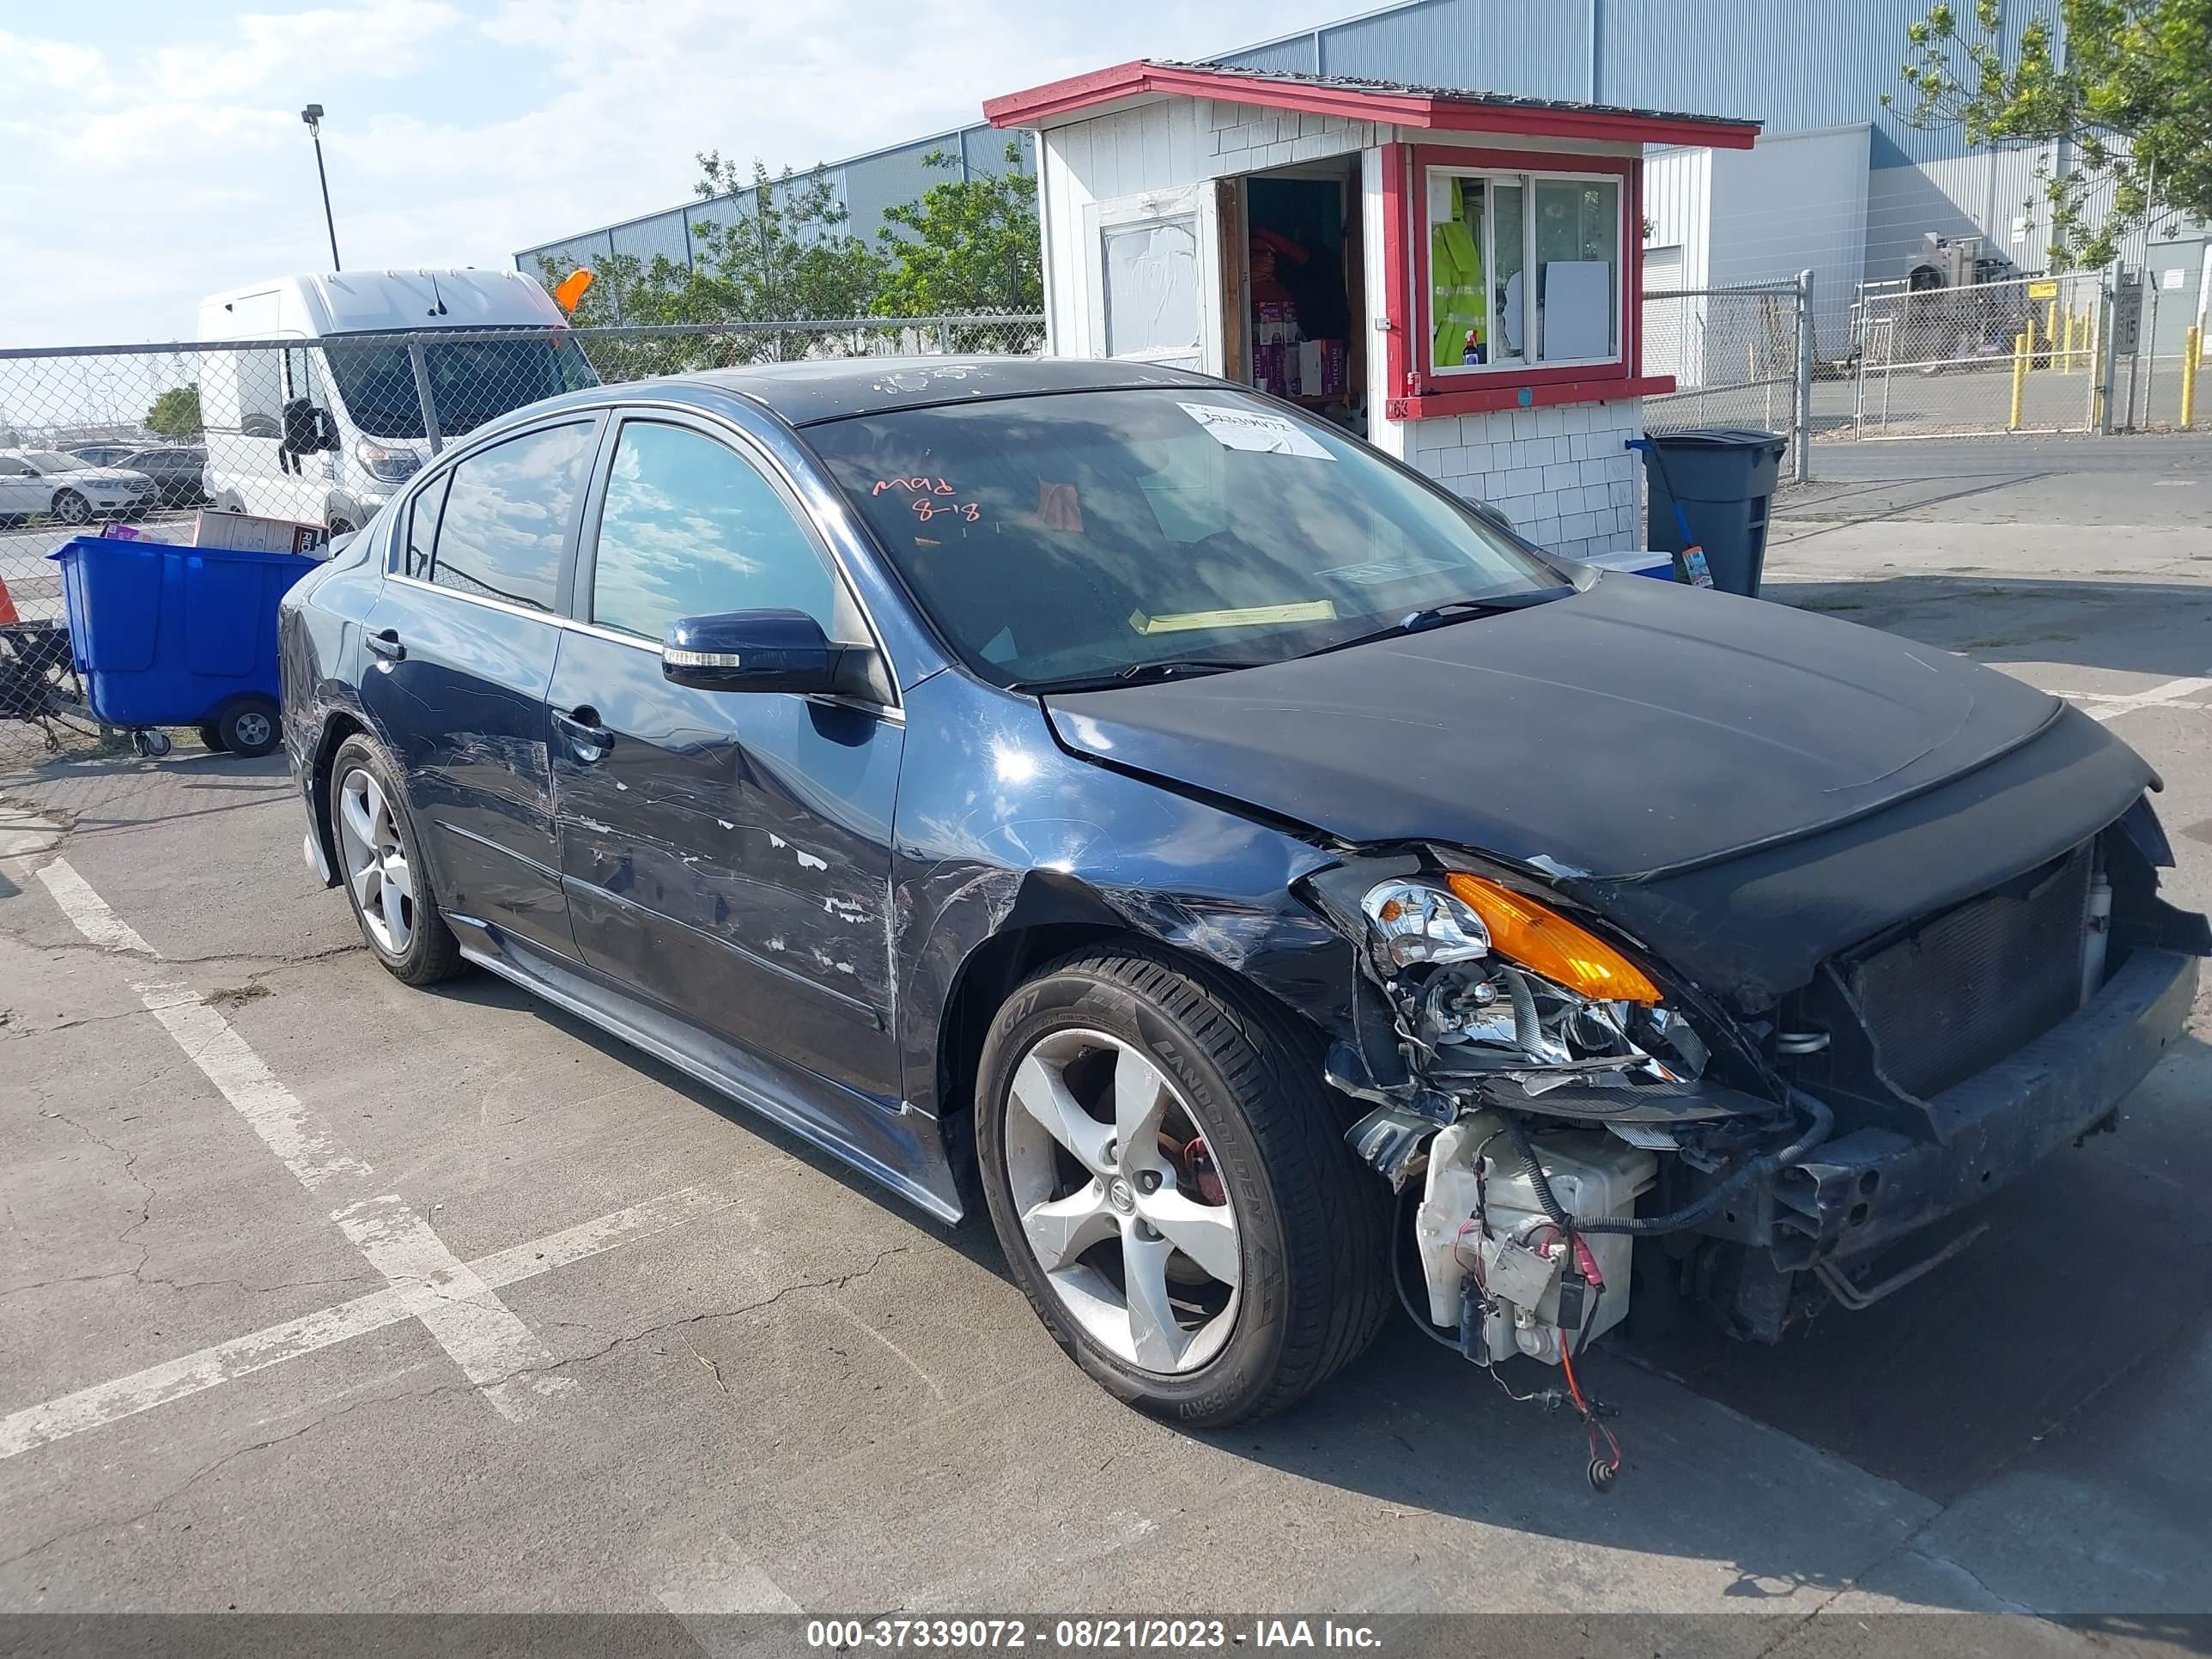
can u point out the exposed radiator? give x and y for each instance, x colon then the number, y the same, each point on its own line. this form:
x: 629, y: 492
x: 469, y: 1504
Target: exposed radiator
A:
x: 1964, y: 988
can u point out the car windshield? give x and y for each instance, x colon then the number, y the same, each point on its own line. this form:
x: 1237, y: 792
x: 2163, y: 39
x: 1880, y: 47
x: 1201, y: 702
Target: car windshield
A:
x: 471, y: 381
x: 53, y: 460
x: 1093, y: 536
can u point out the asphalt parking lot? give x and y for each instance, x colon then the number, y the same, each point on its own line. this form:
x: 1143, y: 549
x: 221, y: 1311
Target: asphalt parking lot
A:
x: 323, y: 1294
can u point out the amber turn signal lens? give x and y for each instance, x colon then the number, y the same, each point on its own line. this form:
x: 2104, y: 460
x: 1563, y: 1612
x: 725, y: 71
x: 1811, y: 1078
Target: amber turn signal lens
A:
x: 1548, y: 944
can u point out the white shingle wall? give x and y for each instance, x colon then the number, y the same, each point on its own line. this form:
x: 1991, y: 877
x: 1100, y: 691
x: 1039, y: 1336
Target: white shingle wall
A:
x: 1234, y: 138
x: 1560, y: 474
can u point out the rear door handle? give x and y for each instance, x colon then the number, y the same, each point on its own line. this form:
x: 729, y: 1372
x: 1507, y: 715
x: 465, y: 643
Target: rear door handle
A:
x: 587, y: 738
x: 386, y: 645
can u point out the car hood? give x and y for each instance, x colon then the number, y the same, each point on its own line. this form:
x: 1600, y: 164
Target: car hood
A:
x: 1631, y: 729
x: 108, y: 475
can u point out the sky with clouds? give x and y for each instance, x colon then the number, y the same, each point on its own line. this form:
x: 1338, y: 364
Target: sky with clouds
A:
x: 154, y: 151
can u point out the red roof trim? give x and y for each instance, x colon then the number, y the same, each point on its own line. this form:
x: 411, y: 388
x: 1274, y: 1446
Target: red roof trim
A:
x: 1406, y: 109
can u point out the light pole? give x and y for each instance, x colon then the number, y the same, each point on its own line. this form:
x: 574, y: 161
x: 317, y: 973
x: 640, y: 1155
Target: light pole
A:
x: 312, y: 115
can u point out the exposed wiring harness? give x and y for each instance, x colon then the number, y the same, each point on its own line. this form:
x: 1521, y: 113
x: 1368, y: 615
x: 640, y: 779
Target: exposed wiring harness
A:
x: 1691, y: 1214
x: 1603, y: 1466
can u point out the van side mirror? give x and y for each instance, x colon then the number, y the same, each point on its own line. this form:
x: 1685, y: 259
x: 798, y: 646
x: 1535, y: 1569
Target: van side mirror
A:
x: 766, y: 651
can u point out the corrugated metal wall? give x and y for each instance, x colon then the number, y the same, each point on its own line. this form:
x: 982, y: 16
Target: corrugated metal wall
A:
x: 1796, y: 66
x: 865, y: 184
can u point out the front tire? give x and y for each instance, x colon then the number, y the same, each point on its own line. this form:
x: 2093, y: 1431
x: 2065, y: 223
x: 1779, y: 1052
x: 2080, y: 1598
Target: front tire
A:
x: 380, y: 861
x: 1168, y: 1175
x: 72, y: 508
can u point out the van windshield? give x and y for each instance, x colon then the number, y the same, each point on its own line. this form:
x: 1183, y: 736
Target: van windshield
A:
x: 471, y: 381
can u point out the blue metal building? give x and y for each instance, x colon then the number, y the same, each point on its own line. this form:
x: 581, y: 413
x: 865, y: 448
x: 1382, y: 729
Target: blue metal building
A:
x: 1802, y: 67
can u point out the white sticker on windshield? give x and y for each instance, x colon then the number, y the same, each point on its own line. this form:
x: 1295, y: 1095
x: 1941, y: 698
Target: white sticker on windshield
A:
x: 1255, y: 429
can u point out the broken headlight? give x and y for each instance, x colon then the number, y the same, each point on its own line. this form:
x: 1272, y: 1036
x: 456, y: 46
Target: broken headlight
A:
x: 1411, y: 922
x: 1486, y: 979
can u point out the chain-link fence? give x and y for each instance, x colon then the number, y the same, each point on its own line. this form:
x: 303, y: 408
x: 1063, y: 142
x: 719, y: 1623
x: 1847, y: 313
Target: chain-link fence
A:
x: 138, y: 440
x: 1736, y: 356
x: 2025, y: 354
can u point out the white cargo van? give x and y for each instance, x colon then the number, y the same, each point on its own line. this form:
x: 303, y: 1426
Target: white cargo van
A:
x: 325, y: 422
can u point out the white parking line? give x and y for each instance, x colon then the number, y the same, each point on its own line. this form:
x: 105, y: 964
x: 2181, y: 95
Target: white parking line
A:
x: 193, y: 1373
x: 2110, y: 707
x: 484, y: 1338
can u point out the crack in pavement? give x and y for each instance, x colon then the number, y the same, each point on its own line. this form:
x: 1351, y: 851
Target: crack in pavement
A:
x: 832, y: 1282
x: 158, y: 1282
x: 270, y: 964
x: 837, y: 1282
x: 131, y: 1173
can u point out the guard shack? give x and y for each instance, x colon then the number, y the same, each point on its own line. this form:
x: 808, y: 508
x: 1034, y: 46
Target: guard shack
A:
x: 1455, y: 276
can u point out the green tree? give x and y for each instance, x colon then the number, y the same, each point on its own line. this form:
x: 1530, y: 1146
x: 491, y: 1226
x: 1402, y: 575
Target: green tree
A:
x: 176, y: 414
x: 968, y: 245
x: 784, y: 252
x: 2126, y: 84
x: 776, y: 249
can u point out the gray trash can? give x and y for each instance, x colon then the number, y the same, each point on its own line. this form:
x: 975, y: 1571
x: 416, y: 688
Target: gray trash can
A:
x: 1724, y: 478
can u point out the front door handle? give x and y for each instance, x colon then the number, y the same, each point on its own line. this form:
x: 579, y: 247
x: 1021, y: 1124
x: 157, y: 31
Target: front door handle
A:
x: 587, y: 739
x: 386, y: 645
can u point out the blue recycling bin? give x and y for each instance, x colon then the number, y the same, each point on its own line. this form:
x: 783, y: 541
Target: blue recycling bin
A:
x: 170, y: 636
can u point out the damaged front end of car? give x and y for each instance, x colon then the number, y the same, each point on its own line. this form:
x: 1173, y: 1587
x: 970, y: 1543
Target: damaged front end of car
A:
x: 1554, y: 1103
x: 1531, y: 1081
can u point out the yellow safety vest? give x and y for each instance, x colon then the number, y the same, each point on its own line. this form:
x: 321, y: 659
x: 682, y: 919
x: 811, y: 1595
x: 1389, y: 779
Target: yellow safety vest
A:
x: 1458, y: 307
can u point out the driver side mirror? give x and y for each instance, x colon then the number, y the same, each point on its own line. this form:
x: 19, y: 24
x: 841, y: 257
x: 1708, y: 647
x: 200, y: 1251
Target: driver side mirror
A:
x: 768, y: 651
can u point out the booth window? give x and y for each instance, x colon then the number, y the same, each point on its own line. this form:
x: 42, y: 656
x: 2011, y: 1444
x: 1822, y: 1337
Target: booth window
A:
x: 1524, y: 270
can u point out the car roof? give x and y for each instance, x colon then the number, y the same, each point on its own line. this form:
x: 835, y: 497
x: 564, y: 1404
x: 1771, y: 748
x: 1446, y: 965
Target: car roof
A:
x: 831, y: 389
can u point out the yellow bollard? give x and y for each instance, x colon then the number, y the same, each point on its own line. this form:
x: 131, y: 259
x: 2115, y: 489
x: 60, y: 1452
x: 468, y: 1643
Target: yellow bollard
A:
x: 2049, y: 334
x: 2192, y: 352
x: 2019, y: 376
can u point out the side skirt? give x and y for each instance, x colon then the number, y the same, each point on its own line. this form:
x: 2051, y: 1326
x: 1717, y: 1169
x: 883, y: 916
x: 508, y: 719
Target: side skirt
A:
x: 902, y: 1149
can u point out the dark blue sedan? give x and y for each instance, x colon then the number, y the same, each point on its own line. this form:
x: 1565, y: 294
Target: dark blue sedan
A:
x: 1127, y: 802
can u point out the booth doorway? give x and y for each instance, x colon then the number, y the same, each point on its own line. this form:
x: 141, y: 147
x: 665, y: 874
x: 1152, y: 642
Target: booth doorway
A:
x: 1293, y: 323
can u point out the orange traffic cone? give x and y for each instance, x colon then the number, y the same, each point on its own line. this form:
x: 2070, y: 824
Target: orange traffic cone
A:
x: 7, y: 607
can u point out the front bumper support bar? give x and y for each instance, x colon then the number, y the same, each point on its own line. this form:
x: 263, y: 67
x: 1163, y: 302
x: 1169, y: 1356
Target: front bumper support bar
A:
x: 1867, y: 1189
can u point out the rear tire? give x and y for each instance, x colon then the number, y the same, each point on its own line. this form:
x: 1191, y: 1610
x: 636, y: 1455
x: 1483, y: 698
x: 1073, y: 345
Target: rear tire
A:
x: 249, y: 726
x: 1307, y: 1223
x: 211, y: 737
x: 380, y: 862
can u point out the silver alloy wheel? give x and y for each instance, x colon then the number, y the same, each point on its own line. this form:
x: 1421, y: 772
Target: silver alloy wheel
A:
x: 252, y: 728
x: 1149, y: 1272
x: 375, y: 858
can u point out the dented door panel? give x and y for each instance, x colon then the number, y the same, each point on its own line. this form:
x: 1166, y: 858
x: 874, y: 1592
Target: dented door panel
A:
x: 464, y: 712
x: 728, y: 854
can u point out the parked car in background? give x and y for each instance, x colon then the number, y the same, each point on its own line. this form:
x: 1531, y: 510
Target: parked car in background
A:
x: 1105, y: 797
x: 106, y: 453
x: 68, y: 487
x: 325, y: 421
x: 178, y: 472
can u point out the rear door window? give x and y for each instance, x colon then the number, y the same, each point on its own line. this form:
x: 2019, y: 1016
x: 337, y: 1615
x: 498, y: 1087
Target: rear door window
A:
x: 508, y: 510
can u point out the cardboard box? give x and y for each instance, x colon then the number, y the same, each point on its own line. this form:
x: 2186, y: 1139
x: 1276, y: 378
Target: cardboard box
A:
x: 242, y: 532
